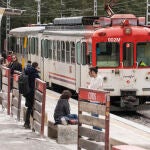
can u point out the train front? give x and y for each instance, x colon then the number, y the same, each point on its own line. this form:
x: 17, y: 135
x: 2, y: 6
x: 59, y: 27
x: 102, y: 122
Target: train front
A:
x: 121, y: 50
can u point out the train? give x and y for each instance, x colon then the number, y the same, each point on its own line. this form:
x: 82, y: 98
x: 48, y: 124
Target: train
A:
x: 66, y: 48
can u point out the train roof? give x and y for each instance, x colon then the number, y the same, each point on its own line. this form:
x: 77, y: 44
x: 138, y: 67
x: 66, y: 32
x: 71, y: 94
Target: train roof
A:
x: 24, y: 31
x: 69, y: 32
x: 81, y: 20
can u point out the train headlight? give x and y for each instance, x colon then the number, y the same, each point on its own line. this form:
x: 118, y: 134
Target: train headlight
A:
x: 127, y: 31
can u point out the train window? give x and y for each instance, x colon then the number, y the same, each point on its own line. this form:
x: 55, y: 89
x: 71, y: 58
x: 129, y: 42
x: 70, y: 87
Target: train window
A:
x: 72, y: 44
x: 46, y: 48
x: 78, y: 48
x: 83, y: 50
x: 32, y: 45
x: 42, y: 48
x: 62, y: 51
x: 29, y: 46
x: 67, y: 52
x: 36, y: 46
x: 54, y: 50
x: 58, y: 50
x: 107, y: 54
x: 21, y: 42
x: 89, y: 56
x: 50, y: 49
x: 127, y: 54
x: 143, y: 54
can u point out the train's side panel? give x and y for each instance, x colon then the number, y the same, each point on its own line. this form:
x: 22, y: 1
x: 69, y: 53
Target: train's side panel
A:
x: 58, y: 72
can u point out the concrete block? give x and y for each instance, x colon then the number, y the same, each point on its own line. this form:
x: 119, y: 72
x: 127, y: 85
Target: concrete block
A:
x: 52, y: 130
x: 65, y: 134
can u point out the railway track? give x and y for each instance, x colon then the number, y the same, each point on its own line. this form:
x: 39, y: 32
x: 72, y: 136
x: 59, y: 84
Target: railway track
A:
x: 141, y: 116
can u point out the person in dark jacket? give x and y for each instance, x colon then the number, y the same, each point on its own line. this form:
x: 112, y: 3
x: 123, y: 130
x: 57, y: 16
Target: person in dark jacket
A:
x: 28, y: 65
x: 62, y: 110
x: 15, y: 65
x: 32, y: 72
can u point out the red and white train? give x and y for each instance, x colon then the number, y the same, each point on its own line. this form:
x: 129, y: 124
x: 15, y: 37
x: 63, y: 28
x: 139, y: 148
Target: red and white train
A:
x: 67, y: 48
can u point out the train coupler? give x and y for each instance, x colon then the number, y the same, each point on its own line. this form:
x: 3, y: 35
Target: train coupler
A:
x: 129, y: 101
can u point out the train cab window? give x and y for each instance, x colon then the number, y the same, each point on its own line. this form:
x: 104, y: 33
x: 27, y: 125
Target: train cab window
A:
x: 128, y: 54
x: 72, y: 44
x: 36, y: 46
x: 46, y: 48
x: 54, y: 50
x: 62, y: 51
x: 67, y: 52
x: 50, y: 49
x: 58, y: 50
x: 42, y: 48
x: 107, y: 54
x: 143, y: 54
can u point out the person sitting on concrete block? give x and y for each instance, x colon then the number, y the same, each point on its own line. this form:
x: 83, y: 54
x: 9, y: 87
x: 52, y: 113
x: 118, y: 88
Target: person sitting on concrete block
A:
x: 62, y: 110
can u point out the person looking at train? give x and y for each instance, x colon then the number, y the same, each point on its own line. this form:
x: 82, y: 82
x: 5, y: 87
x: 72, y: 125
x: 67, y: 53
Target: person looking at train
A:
x: 28, y: 65
x: 32, y: 72
x: 96, y: 83
x: 62, y: 110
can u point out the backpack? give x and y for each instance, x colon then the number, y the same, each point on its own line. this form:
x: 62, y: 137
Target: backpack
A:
x: 23, y: 84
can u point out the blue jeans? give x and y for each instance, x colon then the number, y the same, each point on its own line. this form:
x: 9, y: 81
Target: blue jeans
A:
x: 71, y: 116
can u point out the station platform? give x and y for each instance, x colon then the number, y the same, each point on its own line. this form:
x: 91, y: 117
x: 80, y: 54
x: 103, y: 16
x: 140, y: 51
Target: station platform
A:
x: 13, y: 136
x: 122, y: 131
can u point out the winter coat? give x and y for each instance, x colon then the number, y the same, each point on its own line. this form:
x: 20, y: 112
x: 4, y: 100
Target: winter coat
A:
x: 32, y: 74
x: 15, y: 66
x: 62, y: 109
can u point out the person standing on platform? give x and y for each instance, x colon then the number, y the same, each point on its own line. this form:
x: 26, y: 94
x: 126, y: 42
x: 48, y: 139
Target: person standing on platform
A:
x: 14, y: 65
x: 28, y: 65
x: 9, y: 58
x: 33, y: 73
x: 4, y: 56
x: 96, y: 83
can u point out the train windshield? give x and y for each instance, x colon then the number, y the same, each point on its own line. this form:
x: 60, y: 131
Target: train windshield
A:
x: 143, y: 54
x: 107, y: 54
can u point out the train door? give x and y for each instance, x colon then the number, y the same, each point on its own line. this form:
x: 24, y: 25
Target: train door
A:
x: 78, y: 65
x: 81, y: 64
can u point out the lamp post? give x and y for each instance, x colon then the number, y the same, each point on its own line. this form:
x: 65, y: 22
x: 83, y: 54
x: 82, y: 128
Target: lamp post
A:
x: 95, y: 7
x: 38, y: 11
x: 7, y: 28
